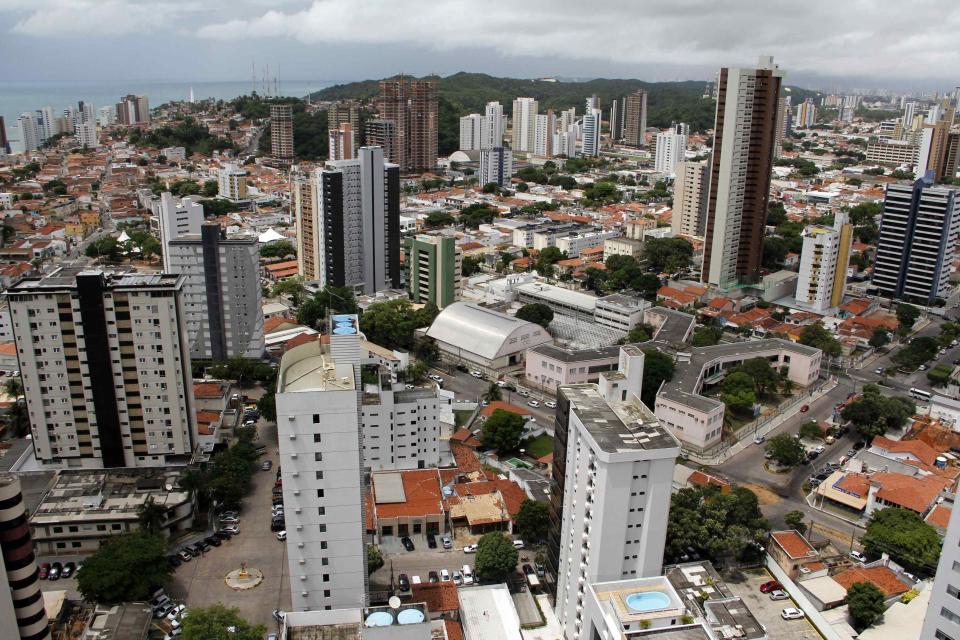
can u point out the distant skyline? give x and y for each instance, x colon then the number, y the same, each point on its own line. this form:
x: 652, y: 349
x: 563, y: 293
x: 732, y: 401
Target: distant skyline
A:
x: 823, y: 45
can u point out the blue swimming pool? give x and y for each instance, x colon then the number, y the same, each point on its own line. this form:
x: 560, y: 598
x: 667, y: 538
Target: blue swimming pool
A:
x: 647, y: 601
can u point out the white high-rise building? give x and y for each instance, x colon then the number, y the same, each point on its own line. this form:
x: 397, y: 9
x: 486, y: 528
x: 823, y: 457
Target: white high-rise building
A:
x: 823, y: 264
x: 543, y: 139
x: 671, y: 147
x: 105, y: 364
x: 342, y: 142
x: 221, y: 292
x: 401, y: 428
x: 471, y: 132
x: 85, y: 125
x: 321, y: 459
x: 496, y: 166
x: 590, y: 142
x: 619, y: 465
x: 942, y: 620
x: 46, y: 124
x: 568, y: 118
x: 29, y: 135
x: 106, y: 116
x: 69, y: 121
x: 232, y: 182
x: 492, y: 128
x: 565, y: 142
x: 690, y: 191
x: 806, y: 114
x: 524, y: 124
x: 176, y: 217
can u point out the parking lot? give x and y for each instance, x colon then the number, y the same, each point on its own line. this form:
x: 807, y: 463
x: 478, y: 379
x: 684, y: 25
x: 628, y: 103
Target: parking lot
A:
x: 200, y: 582
x: 767, y: 611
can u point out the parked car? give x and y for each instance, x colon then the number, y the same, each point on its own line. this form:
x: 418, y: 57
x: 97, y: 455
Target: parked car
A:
x: 173, y: 560
x: 523, y: 393
x: 779, y: 595
x: 533, y: 403
x: 213, y: 541
x: 266, y: 465
x: 229, y: 520
x: 69, y: 568
x: 44, y: 570
x: 820, y: 448
x: 792, y: 613
x: 467, y: 573
x: 771, y: 585
x: 407, y: 543
x: 431, y: 541
x: 447, y: 542
x: 404, y: 582
x: 550, y: 404
x: 229, y: 514
x: 184, y: 555
x: 470, y: 548
x: 223, y: 534
x: 518, y: 544
x: 859, y: 444
x: 859, y: 557
x: 444, y: 575
x: 278, y: 526
x: 457, y: 578
x: 434, y: 577
x: 233, y: 529
x: 528, y: 569
x: 176, y: 612
x: 282, y: 535
x: 163, y: 609
x: 805, y: 408
x: 55, y: 569
x: 501, y: 383
x: 759, y: 439
x: 476, y: 374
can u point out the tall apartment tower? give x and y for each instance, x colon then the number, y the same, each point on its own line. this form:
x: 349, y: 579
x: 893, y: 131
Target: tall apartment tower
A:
x: 806, y: 114
x: 85, y: 125
x: 105, y: 364
x: 411, y: 105
x: 471, y: 132
x: 436, y: 265
x: 918, y: 236
x: 524, y: 124
x: 309, y: 231
x: 321, y: 458
x: 942, y: 620
x: 823, y: 264
x: 392, y: 107
x: 671, y: 147
x: 616, y: 491
x: 133, y: 109
x: 21, y: 599
x: 635, y: 119
x: 176, y: 217
x: 590, y: 135
x: 356, y: 225
x: 29, y: 135
x: 281, y: 134
x: 46, y: 124
x: 342, y: 142
x: 745, y: 132
x: 690, y: 191
x: 492, y: 129
x: 937, y: 151
x: 344, y: 112
x: 543, y: 136
x: 221, y: 292
x: 496, y: 166
x: 232, y: 182
x: 4, y: 140
x: 616, y: 120
x: 784, y: 124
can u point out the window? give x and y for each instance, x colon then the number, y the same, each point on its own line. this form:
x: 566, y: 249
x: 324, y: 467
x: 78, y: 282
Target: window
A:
x: 326, y: 577
x: 322, y: 528
x: 323, y: 544
x: 319, y: 493
x: 950, y: 615
x: 318, y: 457
x: 322, y: 511
x: 940, y: 635
x: 326, y: 593
x: 316, y: 418
x: 316, y: 437
x: 319, y: 475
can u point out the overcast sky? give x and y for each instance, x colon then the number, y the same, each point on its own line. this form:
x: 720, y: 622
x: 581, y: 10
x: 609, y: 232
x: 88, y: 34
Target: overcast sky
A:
x: 821, y: 43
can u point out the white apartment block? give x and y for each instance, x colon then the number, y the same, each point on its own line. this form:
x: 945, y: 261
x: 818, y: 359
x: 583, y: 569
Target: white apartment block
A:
x: 573, y: 244
x: 471, y: 132
x: 524, y: 124
x: 105, y: 364
x: 671, y: 147
x: 493, y: 126
x: 496, y: 166
x: 590, y: 135
x: 619, y: 470
x: 893, y: 153
x: 106, y: 116
x: 823, y: 265
x: 321, y: 457
x: 232, y: 181
x: 29, y: 134
x: 85, y: 125
x: 565, y: 142
x: 544, y: 137
x: 690, y: 191
x: 221, y: 294
x: 176, y: 217
x: 401, y: 428
x: 942, y: 621
x: 806, y: 115
x: 623, y: 247
x: 568, y: 118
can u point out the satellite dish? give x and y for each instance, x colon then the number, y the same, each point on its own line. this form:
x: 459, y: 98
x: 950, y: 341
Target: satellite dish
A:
x: 394, y: 602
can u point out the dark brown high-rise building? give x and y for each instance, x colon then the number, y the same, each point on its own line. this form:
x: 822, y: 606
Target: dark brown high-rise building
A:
x: 635, y: 119
x: 744, y: 139
x: 133, y: 110
x: 4, y: 142
x: 411, y: 107
x: 281, y: 134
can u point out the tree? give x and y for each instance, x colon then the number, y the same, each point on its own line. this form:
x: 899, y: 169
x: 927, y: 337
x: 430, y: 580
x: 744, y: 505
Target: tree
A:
x: 907, y: 314
x: 873, y: 413
x: 437, y: 219
x: 123, y: 568
x: 547, y: 257
x: 641, y: 333
x: 917, y: 352
x: 795, y: 520
x: 647, y: 285
x: 818, y: 336
x: 865, y: 603
x: 502, y: 430
x: 811, y: 430
x: 292, y: 287
x: 13, y: 387
x: 776, y: 214
x: 737, y: 392
x: 712, y: 522
x: 333, y: 299
x: 415, y: 373
x: 18, y: 419
x: 151, y: 516
x: 786, y: 450
x: 267, y: 406
x: 496, y: 557
x: 775, y: 251
x: 667, y: 254
x: 537, y: 313
x: 106, y: 248
x: 392, y: 324
x: 218, y: 622
x: 278, y: 249
x: 470, y: 266
x: 658, y: 368
x: 707, y: 336
x: 765, y: 377
x: 210, y: 188
x: 904, y: 535
x: 879, y: 338
x: 533, y: 520
x: 426, y: 350
x: 493, y: 393
x: 374, y: 558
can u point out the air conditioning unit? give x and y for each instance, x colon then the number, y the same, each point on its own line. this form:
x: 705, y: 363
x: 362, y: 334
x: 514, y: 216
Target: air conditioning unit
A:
x: 299, y: 545
x: 303, y: 578
x: 296, y: 492
x: 302, y: 561
x: 303, y: 593
x: 293, y: 436
x: 294, y: 455
x: 295, y: 474
x: 299, y: 527
x: 298, y: 510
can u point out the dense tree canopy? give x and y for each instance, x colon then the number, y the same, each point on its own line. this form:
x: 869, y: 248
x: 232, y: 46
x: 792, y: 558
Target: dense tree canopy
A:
x: 865, y: 603
x: 496, y: 557
x: 712, y: 522
x: 536, y: 312
x: 785, y: 450
x: 873, y: 413
x: 905, y: 536
x: 658, y: 368
x: 818, y: 336
x: 392, y: 324
x: 123, y: 568
x: 667, y: 254
x: 533, y: 521
x: 218, y: 622
x: 502, y: 431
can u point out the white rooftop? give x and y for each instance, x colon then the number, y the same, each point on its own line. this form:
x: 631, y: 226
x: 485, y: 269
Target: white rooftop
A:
x: 487, y: 612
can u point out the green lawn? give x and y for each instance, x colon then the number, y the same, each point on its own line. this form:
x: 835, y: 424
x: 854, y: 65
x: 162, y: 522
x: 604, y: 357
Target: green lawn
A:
x: 539, y: 446
x: 461, y: 416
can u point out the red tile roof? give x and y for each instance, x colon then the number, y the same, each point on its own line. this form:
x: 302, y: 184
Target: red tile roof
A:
x: 916, y: 448
x: 703, y: 479
x: 439, y: 597
x: 793, y: 543
x: 465, y: 436
x: 916, y: 494
x: 939, y: 516
x: 208, y: 390
x: 488, y: 410
x: 885, y: 579
x: 454, y: 630
x: 858, y: 485
x: 421, y: 488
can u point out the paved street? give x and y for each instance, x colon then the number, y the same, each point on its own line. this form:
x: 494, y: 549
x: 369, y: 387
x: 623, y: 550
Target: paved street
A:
x: 466, y: 387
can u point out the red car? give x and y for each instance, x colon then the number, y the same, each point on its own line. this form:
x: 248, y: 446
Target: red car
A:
x: 767, y: 587
x: 44, y: 570
x: 805, y: 408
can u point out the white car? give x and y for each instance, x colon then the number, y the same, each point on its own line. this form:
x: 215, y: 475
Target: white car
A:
x: 792, y: 613
x: 534, y: 404
x: 444, y: 575
x: 408, y: 387
x: 281, y: 535
x: 759, y: 439
x: 551, y: 404
x: 233, y: 530
x: 820, y: 448
x: 457, y: 578
x: 518, y: 544
x: 470, y: 548
x: 859, y: 557
x: 435, y: 378
x: 476, y: 374
x: 779, y: 594
x: 523, y: 393
x: 501, y: 383
x: 176, y: 613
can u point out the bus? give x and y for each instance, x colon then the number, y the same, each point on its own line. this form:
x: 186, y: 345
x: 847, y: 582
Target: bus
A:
x: 920, y: 394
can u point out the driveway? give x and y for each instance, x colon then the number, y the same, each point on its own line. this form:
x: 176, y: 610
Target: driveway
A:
x: 768, y: 611
x: 200, y: 582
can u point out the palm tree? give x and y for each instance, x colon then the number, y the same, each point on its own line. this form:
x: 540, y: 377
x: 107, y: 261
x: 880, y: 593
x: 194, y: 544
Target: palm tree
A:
x: 493, y: 393
x: 152, y: 516
x: 13, y: 387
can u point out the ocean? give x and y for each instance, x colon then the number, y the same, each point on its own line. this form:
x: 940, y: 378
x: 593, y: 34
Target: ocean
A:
x: 18, y: 97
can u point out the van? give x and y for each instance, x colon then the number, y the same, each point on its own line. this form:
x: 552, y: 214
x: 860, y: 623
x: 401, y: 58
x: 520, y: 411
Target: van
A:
x: 415, y: 580
x: 467, y: 574
x: 260, y: 450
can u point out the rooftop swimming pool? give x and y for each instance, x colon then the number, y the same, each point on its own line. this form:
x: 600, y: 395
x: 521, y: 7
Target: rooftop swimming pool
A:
x: 644, y: 601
